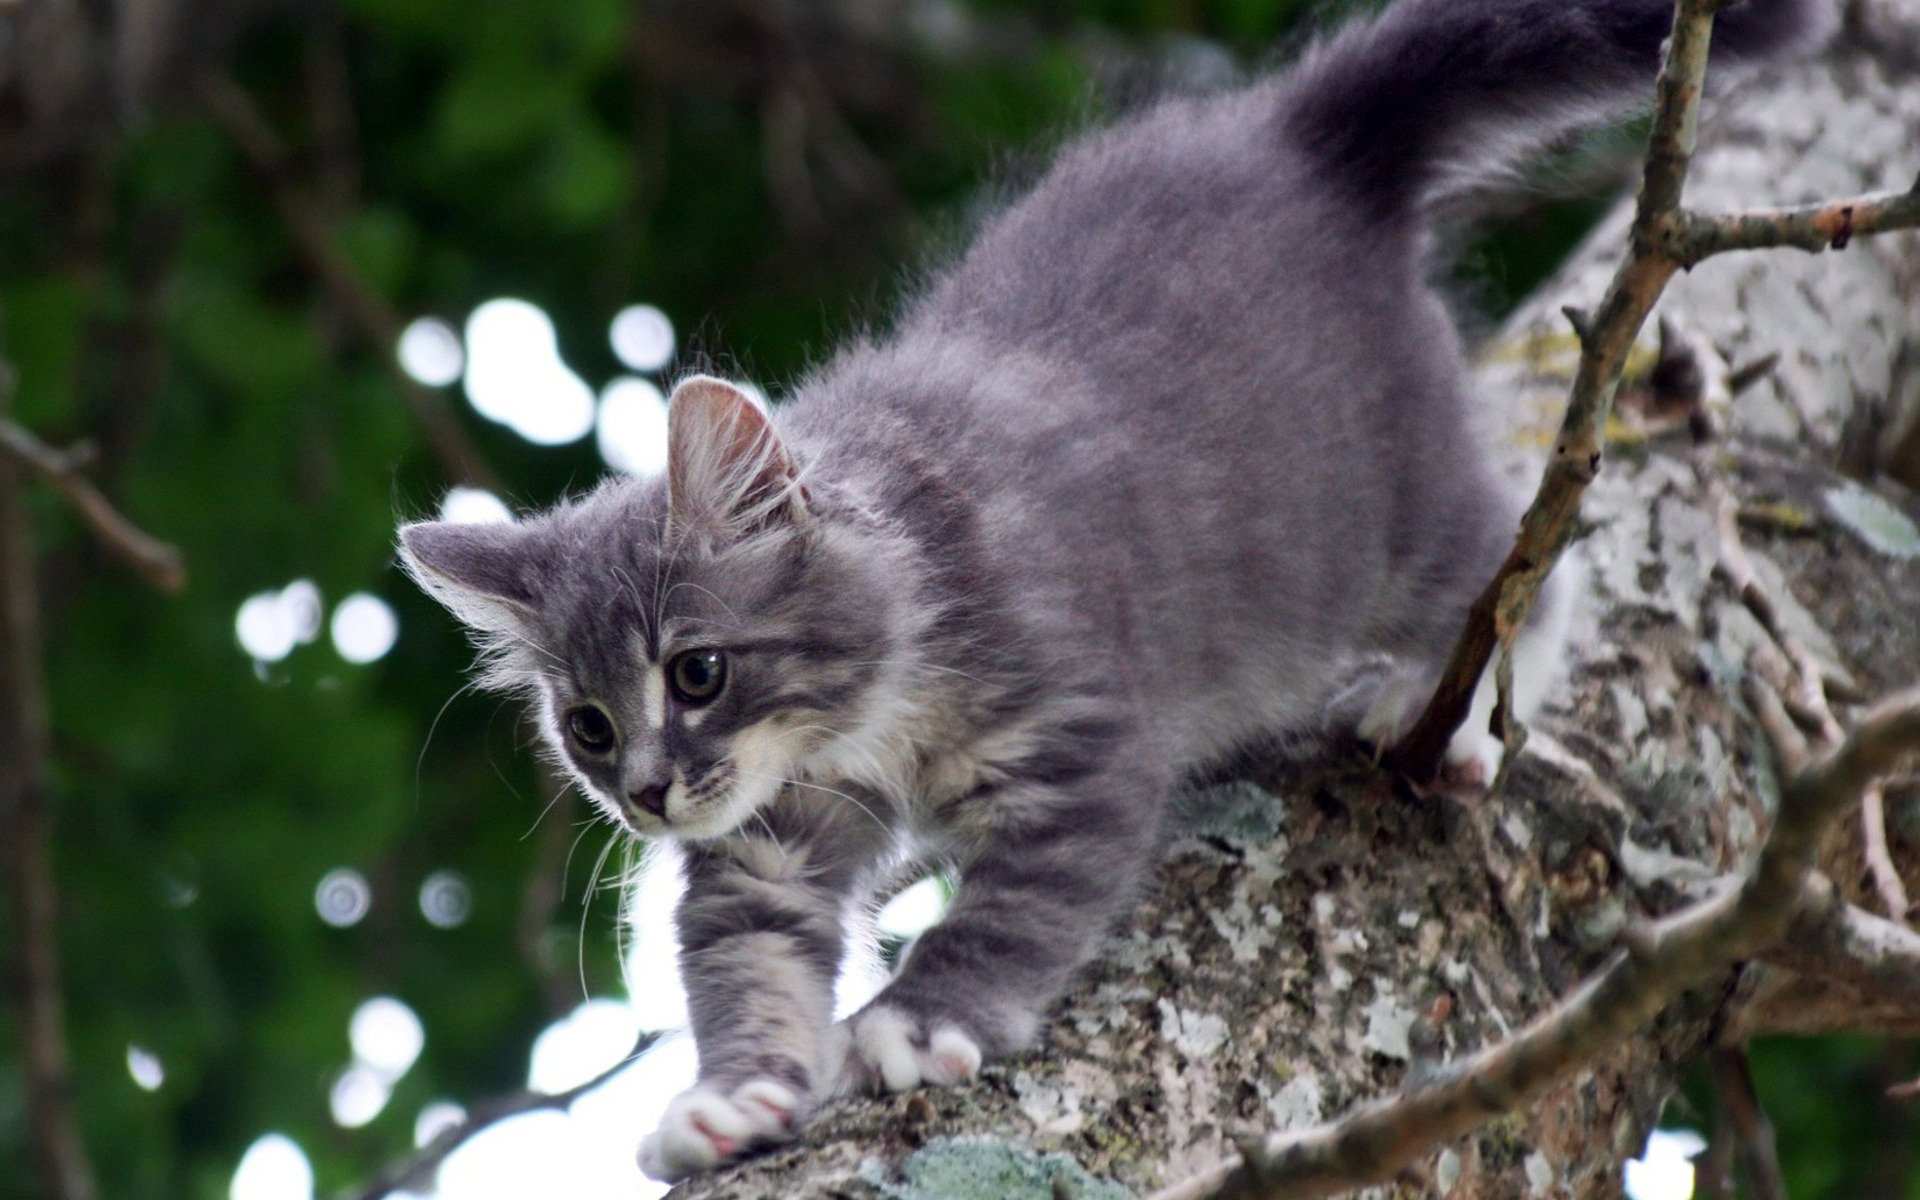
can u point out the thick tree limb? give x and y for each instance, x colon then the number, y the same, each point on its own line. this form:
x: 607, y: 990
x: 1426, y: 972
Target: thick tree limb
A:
x: 1663, y: 239
x: 159, y: 562
x: 1660, y: 961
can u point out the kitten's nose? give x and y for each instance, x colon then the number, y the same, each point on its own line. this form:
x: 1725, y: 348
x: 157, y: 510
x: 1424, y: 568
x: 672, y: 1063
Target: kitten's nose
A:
x: 653, y: 798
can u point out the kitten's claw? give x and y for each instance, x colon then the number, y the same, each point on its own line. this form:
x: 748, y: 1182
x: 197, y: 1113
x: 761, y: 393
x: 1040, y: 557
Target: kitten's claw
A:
x: 891, y: 1050
x: 703, y: 1127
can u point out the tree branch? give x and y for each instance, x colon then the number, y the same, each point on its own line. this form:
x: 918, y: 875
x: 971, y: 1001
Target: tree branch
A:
x: 415, y: 1172
x: 1842, y: 943
x: 1689, y: 238
x: 1753, y: 1132
x: 26, y: 851
x: 1663, y: 239
x: 1658, y: 962
x: 159, y: 562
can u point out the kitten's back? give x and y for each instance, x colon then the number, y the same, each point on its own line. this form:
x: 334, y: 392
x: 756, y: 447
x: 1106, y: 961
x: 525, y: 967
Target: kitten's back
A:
x: 1195, y: 382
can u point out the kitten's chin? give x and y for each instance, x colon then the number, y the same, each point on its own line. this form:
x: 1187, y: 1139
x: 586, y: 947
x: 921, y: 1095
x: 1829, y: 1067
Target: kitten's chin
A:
x: 705, y: 820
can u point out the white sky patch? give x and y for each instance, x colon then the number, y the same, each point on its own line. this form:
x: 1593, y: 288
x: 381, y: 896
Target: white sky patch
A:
x: 445, y: 899
x: 429, y: 352
x: 527, y: 1155
x: 642, y: 337
x: 515, y: 375
x: 914, y: 910
x: 435, y: 1119
x: 631, y: 429
x: 652, y: 968
x: 273, y: 1168
x: 364, y: 628
x: 146, y: 1068
x: 386, y: 1036
x: 358, y: 1095
x: 342, y: 897
x: 1665, y: 1170
x: 474, y: 506
x: 581, y: 1045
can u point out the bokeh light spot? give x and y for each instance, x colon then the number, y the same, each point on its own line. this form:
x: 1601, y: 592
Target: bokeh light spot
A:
x: 1664, y: 1171
x: 474, y: 506
x: 631, y: 430
x: 358, y: 1095
x: 914, y: 910
x: 445, y: 899
x: 273, y: 1168
x: 146, y: 1068
x: 435, y: 1119
x: 304, y: 611
x: 429, y: 351
x: 343, y: 897
x: 386, y: 1036
x: 515, y: 375
x: 364, y: 628
x: 642, y: 337
x: 262, y: 628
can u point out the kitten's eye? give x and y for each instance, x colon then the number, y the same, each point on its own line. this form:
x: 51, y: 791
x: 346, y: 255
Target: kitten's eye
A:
x: 697, y: 676
x: 591, y: 728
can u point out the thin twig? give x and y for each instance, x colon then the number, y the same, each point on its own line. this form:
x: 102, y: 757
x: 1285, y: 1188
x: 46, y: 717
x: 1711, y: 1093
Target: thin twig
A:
x: 1663, y: 239
x: 160, y: 563
x: 1753, y: 1133
x: 1842, y: 943
x: 1713, y: 1169
x: 1689, y: 237
x: 377, y: 322
x: 1660, y: 961
x: 1873, y: 837
x: 31, y: 908
x: 415, y: 1172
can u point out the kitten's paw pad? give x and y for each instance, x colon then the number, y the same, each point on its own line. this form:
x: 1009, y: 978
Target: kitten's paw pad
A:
x: 893, y: 1051
x: 704, y: 1127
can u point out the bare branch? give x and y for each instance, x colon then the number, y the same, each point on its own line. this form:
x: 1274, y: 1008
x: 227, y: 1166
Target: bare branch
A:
x: 1842, y: 943
x: 1880, y: 865
x: 1663, y: 239
x: 1689, y: 238
x: 159, y: 562
x: 1753, y: 1133
x: 415, y: 1172
x: 1739, y: 921
x: 31, y: 908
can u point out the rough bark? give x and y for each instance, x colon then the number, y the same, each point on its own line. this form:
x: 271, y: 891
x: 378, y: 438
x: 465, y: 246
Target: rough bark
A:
x: 1320, y: 934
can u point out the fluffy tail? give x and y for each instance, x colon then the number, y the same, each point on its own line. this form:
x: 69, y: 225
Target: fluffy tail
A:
x: 1384, y: 104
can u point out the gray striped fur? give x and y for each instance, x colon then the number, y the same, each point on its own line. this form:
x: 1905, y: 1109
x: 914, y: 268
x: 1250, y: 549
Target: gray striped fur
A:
x: 1135, y: 484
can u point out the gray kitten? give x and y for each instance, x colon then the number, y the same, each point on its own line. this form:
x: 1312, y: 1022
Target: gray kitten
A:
x: 1135, y: 484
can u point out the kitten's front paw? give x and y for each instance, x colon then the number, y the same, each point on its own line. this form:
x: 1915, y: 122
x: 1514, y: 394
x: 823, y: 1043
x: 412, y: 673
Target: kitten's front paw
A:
x: 893, y: 1050
x: 705, y: 1127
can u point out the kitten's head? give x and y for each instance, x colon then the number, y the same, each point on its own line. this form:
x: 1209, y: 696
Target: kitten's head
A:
x: 691, y: 642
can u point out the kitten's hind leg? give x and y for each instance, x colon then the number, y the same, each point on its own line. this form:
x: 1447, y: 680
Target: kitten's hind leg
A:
x: 1064, y: 857
x: 1539, y: 659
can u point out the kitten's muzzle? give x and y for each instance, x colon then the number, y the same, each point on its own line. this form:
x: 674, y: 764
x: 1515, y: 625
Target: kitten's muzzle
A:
x: 652, y: 798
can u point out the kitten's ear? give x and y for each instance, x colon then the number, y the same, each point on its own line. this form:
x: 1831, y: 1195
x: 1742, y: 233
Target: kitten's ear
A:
x: 727, y: 470
x: 483, y: 573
